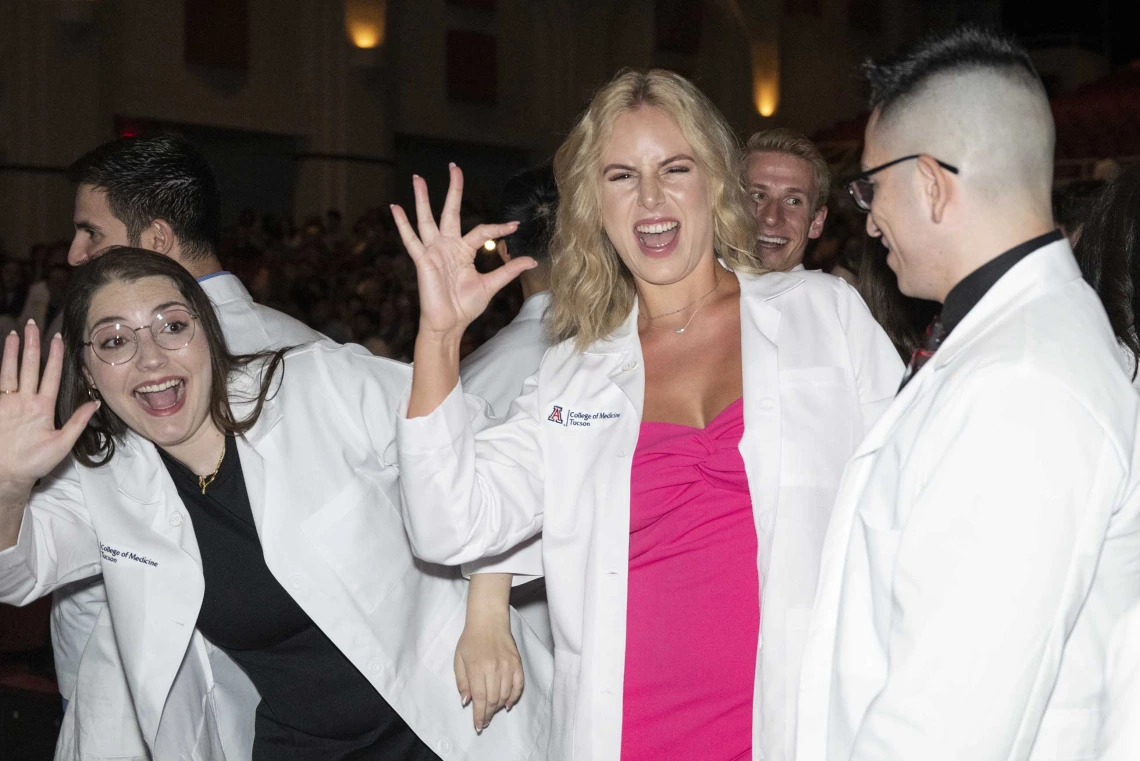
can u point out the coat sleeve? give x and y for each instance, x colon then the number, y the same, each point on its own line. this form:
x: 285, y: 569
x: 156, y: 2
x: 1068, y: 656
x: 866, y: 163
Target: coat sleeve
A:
x: 471, y: 489
x: 57, y: 544
x: 1006, y: 519
x: 878, y: 369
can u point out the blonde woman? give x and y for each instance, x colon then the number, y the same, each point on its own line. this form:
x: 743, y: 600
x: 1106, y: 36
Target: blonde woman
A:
x: 678, y: 450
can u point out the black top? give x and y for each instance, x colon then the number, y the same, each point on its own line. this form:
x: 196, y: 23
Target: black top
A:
x: 314, y: 705
x: 969, y: 291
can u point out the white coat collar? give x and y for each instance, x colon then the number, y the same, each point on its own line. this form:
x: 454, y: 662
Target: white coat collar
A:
x: 1046, y: 269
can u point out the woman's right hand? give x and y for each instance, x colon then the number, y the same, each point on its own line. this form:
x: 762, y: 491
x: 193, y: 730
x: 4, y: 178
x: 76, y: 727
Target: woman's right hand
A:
x: 452, y: 292
x: 31, y: 446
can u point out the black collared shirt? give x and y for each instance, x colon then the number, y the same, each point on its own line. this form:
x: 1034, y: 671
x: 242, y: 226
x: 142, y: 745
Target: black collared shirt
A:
x: 969, y: 291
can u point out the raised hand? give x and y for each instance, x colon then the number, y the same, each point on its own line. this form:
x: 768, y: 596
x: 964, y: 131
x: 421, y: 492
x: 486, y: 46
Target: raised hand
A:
x: 452, y: 292
x: 31, y: 446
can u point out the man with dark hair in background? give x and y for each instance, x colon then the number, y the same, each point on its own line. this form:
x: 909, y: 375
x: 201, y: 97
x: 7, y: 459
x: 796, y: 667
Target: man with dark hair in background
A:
x: 497, y: 369
x: 157, y: 193
x: 986, y: 532
x: 789, y: 181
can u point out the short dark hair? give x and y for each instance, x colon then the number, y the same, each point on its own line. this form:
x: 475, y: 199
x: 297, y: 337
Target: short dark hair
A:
x: 1108, y: 252
x: 158, y: 177
x: 96, y: 445
x: 531, y: 199
x: 962, y: 49
x: 1073, y: 202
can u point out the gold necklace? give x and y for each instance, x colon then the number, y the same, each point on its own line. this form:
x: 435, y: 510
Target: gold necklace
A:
x: 204, y: 481
x: 699, y: 302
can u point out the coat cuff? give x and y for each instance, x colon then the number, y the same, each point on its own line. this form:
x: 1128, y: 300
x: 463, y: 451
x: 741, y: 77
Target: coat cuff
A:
x: 438, y: 430
x: 23, y: 552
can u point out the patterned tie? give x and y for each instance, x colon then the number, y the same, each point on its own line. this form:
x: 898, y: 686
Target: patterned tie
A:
x: 930, y: 343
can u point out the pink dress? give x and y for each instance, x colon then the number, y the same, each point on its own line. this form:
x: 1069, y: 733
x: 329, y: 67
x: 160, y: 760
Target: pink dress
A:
x: 693, y: 610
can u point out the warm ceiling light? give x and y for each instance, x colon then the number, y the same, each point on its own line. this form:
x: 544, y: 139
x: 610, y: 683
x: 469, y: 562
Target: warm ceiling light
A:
x: 765, y: 77
x: 365, y: 22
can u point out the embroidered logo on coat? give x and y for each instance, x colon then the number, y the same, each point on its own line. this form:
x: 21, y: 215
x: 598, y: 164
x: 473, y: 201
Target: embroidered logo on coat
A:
x: 112, y: 555
x: 575, y: 419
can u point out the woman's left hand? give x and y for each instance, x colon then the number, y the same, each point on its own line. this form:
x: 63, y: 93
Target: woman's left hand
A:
x: 488, y: 669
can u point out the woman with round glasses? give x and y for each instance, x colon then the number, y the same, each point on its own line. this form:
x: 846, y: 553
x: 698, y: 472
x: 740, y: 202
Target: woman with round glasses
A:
x: 243, y: 511
x: 678, y: 451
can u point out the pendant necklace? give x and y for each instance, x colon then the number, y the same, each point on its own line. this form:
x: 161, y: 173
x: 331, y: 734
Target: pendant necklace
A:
x: 700, y: 302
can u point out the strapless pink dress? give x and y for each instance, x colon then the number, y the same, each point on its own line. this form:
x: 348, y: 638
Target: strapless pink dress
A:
x: 693, y: 608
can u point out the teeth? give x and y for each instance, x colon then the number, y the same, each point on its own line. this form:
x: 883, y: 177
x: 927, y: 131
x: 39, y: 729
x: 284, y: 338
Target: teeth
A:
x: 157, y: 387
x: 660, y: 227
x: 771, y: 240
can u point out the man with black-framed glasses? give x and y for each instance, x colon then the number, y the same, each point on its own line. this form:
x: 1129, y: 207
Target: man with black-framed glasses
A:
x: 986, y: 534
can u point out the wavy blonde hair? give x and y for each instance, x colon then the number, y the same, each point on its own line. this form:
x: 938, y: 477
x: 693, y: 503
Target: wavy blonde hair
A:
x: 592, y: 291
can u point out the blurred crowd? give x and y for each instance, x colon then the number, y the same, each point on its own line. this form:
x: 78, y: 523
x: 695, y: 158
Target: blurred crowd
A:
x: 353, y: 284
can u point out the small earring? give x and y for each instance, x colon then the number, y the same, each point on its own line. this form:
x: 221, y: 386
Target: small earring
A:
x: 93, y: 393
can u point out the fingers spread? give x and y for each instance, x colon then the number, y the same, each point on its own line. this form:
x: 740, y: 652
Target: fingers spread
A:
x: 49, y: 384
x: 425, y: 221
x: 69, y: 434
x: 479, y: 235
x: 8, y: 364
x: 30, y: 367
x: 407, y: 234
x: 449, y: 220
x: 497, y: 278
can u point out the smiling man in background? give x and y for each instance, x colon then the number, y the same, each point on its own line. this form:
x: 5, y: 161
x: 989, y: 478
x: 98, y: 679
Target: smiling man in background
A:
x: 788, y: 180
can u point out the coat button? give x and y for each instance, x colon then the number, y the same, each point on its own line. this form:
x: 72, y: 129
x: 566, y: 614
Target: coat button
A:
x: 176, y: 520
x: 444, y: 746
x: 297, y: 581
x: 375, y: 667
x: 629, y: 366
x: 767, y: 404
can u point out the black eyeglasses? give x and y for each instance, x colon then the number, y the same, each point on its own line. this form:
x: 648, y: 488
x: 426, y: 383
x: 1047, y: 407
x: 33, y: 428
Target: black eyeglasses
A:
x: 863, y: 190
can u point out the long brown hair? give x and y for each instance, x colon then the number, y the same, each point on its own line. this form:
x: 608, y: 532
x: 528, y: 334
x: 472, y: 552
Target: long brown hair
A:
x: 96, y: 445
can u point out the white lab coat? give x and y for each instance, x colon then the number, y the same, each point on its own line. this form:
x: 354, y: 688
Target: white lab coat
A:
x: 986, y: 538
x: 496, y: 372
x: 817, y: 371
x: 321, y: 476
x: 80, y: 640
x: 1120, y: 736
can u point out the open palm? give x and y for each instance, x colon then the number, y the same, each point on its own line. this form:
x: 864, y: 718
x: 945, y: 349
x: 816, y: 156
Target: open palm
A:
x: 31, y: 445
x: 452, y: 292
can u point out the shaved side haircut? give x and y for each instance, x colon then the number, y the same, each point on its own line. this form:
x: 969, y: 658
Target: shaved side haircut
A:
x: 972, y: 98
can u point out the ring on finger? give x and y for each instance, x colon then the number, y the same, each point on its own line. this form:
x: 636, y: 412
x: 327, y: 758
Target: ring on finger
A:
x: 2, y: 391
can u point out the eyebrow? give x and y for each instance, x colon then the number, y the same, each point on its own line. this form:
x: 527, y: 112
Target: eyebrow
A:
x: 766, y: 186
x: 157, y: 309
x: 666, y: 162
x: 83, y: 224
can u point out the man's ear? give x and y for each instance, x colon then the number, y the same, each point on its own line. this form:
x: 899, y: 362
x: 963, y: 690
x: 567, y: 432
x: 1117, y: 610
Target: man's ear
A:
x: 815, y: 229
x: 504, y: 254
x: 159, y: 237
x: 936, y: 187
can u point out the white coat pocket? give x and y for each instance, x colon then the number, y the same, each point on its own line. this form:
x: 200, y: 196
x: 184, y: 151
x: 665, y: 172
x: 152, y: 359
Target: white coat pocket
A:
x: 817, y: 411
x: 360, y: 534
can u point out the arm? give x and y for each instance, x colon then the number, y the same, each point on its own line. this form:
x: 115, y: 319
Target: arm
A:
x: 452, y: 292
x: 488, y: 669
x: 463, y: 499
x: 878, y: 369
x: 1011, y: 493
x: 29, y: 450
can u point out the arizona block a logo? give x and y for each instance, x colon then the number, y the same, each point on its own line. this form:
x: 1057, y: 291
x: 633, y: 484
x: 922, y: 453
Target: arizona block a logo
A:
x: 556, y: 415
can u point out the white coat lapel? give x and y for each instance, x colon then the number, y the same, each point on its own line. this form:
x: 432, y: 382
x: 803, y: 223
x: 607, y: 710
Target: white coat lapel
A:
x: 621, y: 359
x: 155, y: 614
